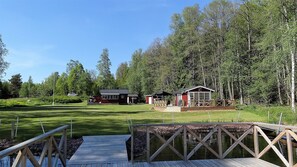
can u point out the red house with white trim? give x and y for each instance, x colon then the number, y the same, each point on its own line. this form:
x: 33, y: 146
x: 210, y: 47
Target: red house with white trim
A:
x: 195, y: 96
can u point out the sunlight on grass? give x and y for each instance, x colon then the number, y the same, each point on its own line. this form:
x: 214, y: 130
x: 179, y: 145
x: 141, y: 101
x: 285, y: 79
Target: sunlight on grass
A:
x: 113, y: 119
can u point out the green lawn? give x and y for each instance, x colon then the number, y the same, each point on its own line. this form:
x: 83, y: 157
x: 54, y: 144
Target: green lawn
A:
x: 112, y: 119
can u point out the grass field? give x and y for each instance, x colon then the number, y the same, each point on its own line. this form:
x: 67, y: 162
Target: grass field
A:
x: 112, y: 119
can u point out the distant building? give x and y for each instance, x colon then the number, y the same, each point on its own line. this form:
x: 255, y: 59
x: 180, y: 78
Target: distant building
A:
x: 195, y: 96
x: 161, y: 95
x: 114, y: 96
x: 71, y: 94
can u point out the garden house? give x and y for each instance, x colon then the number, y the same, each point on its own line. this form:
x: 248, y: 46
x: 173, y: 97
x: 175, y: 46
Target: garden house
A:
x: 195, y: 96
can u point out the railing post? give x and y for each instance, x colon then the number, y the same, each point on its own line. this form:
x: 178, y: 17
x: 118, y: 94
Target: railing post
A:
x: 132, y: 143
x: 220, y: 142
x: 148, y: 153
x: 289, y: 147
x: 12, y: 129
x: 185, y: 143
x: 256, y: 142
x: 24, y: 158
x: 65, y: 144
x: 50, y: 151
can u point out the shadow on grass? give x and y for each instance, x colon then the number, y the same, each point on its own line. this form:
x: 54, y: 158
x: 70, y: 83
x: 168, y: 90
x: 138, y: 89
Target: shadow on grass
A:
x: 43, y: 108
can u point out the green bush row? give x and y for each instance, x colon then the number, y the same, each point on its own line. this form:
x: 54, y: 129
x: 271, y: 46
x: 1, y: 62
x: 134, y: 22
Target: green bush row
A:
x: 19, y: 102
x: 61, y: 99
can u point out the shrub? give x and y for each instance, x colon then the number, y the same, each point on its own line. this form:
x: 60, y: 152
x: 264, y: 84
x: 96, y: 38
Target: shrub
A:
x: 62, y: 99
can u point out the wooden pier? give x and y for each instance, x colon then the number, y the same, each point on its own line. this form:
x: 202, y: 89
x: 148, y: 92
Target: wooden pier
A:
x: 101, y: 150
x: 235, y: 162
x: 111, y: 150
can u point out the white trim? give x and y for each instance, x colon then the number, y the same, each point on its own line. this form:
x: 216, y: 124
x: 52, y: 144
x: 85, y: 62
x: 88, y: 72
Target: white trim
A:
x: 189, y: 99
x: 110, y: 94
x: 199, y: 87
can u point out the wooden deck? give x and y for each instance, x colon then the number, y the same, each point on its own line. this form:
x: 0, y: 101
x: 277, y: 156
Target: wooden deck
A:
x: 101, y: 149
x: 110, y: 151
x: 235, y: 162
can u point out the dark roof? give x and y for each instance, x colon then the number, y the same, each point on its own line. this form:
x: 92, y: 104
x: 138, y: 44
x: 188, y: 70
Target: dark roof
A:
x: 114, y: 91
x: 161, y: 93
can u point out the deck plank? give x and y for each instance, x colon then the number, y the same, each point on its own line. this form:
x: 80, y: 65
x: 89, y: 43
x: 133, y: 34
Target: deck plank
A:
x: 110, y: 151
x: 101, y: 149
x: 232, y: 162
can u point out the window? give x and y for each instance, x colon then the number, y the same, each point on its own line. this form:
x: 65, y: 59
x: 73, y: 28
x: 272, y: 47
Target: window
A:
x: 204, y: 96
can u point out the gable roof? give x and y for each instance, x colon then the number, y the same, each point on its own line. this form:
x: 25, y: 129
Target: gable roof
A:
x: 184, y: 90
x: 197, y: 87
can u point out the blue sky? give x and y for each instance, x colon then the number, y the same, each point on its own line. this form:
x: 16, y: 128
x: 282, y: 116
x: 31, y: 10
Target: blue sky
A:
x: 42, y: 36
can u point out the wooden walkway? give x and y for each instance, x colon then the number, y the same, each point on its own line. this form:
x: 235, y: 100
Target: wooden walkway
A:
x: 235, y: 162
x: 110, y: 151
x: 101, y: 149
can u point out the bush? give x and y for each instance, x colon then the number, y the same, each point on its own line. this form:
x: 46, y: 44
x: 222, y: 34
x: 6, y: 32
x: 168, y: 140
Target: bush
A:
x: 62, y: 99
x: 19, y: 102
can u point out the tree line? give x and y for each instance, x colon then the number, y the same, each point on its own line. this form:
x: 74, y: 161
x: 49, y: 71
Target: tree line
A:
x: 243, y: 50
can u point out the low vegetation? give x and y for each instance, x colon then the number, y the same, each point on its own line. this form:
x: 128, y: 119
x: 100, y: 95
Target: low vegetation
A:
x: 114, y: 119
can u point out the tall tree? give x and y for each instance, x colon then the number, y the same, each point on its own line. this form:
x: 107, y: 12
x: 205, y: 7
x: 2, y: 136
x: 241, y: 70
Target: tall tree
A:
x: 121, y: 75
x: 27, y: 89
x: 106, y: 79
x: 72, y: 64
x: 134, y: 75
x: 15, y: 85
x: 3, y: 53
x: 62, y: 86
x: 5, y: 90
x: 74, y: 82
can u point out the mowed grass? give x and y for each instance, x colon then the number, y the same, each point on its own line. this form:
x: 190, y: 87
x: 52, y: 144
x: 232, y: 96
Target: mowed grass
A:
x: 113, y: 119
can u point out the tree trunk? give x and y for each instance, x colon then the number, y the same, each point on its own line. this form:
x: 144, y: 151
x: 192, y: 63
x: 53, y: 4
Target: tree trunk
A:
x: 292, y: 62
x: 232, y: 89
x: 229, y: 89
x: 202, y: 70
x: 240, y: 90
x: 279, y: 87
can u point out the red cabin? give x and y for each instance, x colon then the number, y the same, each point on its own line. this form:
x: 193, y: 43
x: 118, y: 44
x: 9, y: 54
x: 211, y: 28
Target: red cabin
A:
x: 114, y: 96
x: 195, y: 96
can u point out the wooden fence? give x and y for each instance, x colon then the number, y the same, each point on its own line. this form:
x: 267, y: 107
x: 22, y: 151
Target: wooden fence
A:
x: 51, y: 149
x: 183, y: 130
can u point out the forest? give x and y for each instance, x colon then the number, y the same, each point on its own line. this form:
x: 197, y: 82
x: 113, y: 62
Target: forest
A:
x: 244, y: 50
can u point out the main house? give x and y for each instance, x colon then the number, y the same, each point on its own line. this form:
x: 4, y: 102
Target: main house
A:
x: 194, y: 96
x: 114, y: 96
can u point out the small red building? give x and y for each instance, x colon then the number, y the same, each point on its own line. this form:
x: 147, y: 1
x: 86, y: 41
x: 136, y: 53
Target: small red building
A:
x: 195, y: 96
x: 149, y: 99
x: 161, y: 95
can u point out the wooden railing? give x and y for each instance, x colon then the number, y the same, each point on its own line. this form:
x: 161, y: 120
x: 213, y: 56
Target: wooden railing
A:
x: 216, y: 129
x: 160, y: 103
x: 51, y: 149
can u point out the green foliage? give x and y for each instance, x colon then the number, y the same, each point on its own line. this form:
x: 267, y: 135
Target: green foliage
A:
x: 15, y: 85
x: 241, y: 50
x: 3, y: 53
x: 4, y: 90
x: 20, y: 102
x: 61, y: 99
x: 62, y: 86
x: 106, y: 79
x: 122, y: 75
x: 134, y: 75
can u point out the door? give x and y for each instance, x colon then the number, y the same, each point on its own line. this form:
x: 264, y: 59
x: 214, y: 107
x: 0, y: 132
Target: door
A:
x: 150, y: 100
